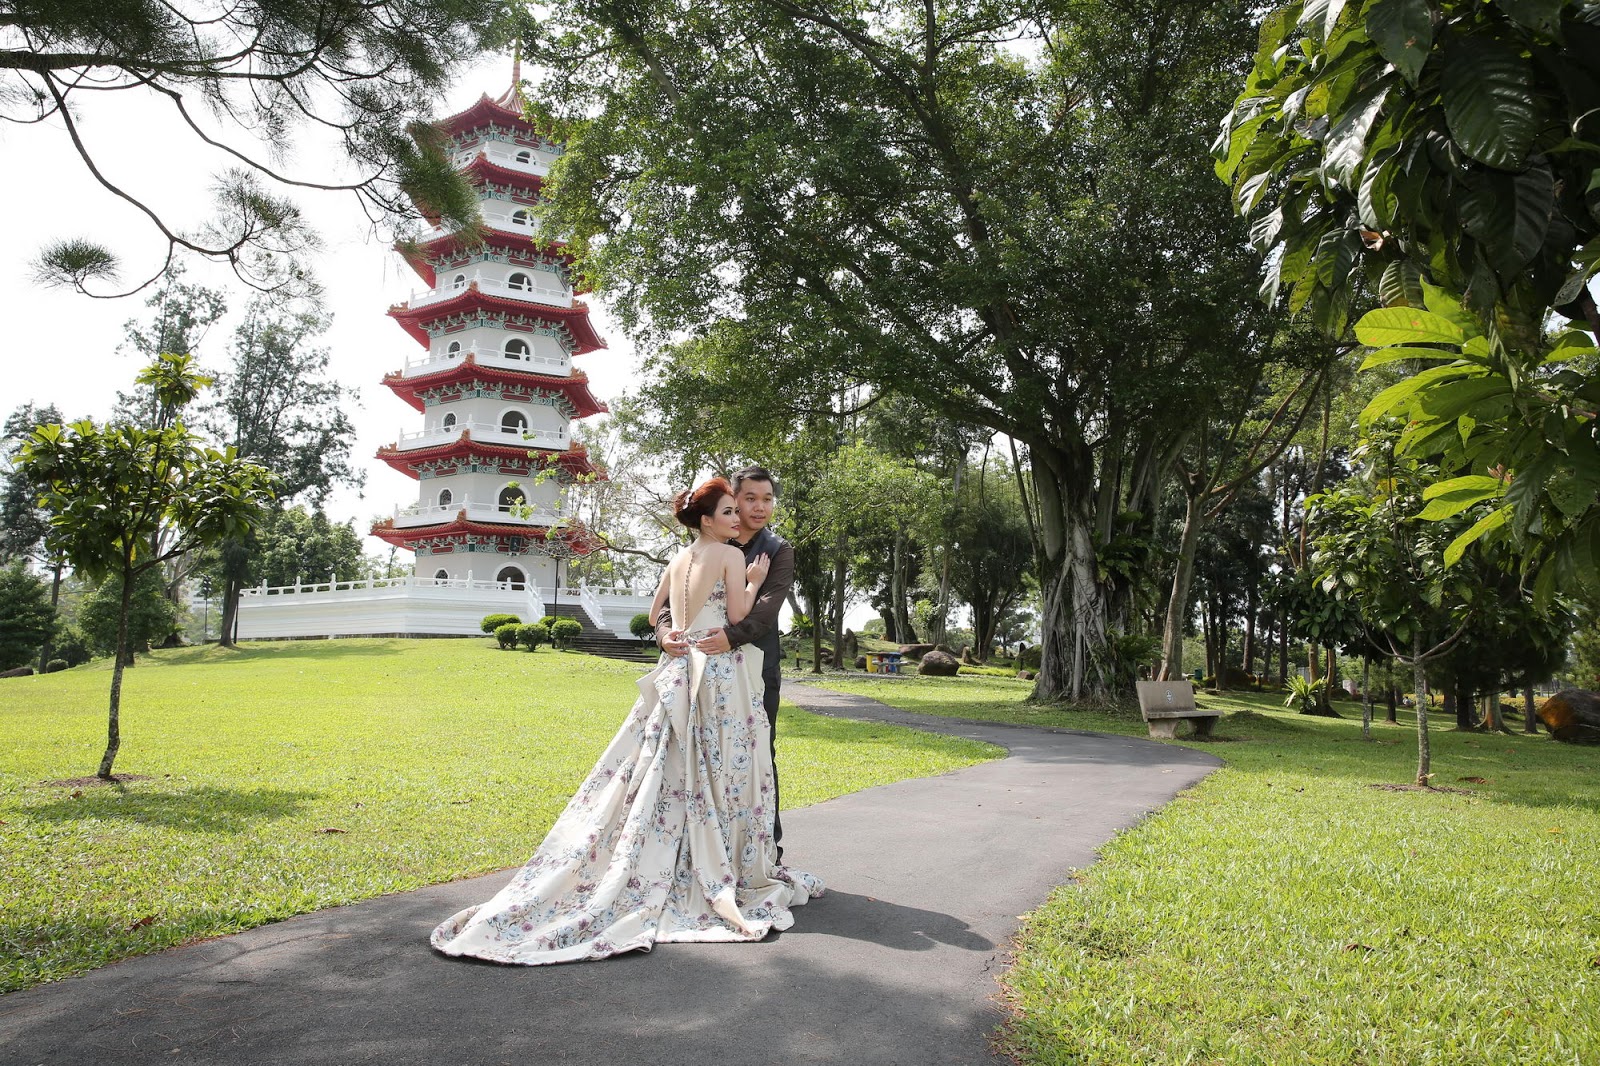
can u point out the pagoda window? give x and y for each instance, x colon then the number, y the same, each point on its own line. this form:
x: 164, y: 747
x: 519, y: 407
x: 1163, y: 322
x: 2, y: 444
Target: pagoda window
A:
x: 525, y: 156
x: 517, y: 348
x: 520, y: 217
x: 453, y: 350
x: 520, y: 281
x: 448, y: 422
x: 441, y: 575
x: 512, y: 496
x: 512, y: 577
x: 459, y: 281
x: 514, y: 422
x: 445, y: 496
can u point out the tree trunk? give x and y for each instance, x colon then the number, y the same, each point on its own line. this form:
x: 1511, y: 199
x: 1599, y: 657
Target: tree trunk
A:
x: 230, y: 612
x: 1418, y: 684
x: 1250, y: 630
x: 1493, y: 720
x: 1366, y: 699
x: 1178, y: 602
x: 1283, y: 650
x: 840, y: 562
x: 1393, y: 706
x: 1073, y: 623
x: 1530, y: 717
x: 114, y: 717
x: 1219, y: 619
x: 897, y: 592
x: 55, y: 601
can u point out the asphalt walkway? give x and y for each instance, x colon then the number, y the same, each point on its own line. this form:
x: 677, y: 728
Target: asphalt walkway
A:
x: 895, y: 966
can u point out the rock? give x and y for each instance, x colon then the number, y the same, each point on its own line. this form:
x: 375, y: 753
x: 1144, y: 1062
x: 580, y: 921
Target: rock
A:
x: 1572, y: 715
x: 947, y: 649
x: 861, y: 662
x: 850, y: 646
x: 939, y: 664
x: 1025, y: 675
x: 915, y: 651
x: 20, y: 671
x: 966, y: 656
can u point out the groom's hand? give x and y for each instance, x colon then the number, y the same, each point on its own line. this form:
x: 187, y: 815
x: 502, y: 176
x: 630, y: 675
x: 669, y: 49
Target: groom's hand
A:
x: 715, y: 643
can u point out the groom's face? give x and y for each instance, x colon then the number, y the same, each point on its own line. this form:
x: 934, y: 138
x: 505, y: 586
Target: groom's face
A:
x: 756, y: 501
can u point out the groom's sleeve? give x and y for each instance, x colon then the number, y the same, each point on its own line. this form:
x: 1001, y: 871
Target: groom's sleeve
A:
x: 763, y: 616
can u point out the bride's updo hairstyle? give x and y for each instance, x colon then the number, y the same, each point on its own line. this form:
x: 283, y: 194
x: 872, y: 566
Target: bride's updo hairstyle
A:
x: 700, y: 502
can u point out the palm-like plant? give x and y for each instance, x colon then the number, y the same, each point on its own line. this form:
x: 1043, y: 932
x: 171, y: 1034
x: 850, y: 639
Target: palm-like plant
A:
x: 1303, y: 694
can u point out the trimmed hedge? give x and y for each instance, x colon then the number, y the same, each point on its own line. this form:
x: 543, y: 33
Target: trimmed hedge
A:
x: 640, y: 627
x: 492, y: 622
x: 565, y: 631
x: 506, y: 635
x: 532, y: 635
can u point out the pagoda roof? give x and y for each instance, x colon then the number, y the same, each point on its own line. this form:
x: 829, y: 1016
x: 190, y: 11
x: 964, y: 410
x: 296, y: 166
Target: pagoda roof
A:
x: 574, y: 388
x: 574, y: 535
x: 418, y: 253
x: 574, y: 461
x: 483, y: 112
x: 574, y: 318
x: 483, y: 169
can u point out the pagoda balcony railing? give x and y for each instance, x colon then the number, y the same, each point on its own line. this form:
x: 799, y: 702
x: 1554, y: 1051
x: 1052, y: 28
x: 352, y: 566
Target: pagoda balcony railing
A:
x: 485, y: 433
x: 558, y: 366
x: 503, y: 156
x: 554, y: 295
x: 522, y: 225
x: 432, y: 514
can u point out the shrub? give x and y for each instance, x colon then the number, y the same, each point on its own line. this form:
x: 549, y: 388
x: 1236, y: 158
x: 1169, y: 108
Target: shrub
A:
x: 532, y: 635
x: 548, y: 620
x: 492, y: 622
x: 506, y: 634
x: 565, y: 631
x: 1304, y: 694
x: 55, y: 665
x: 640, y: 627
x: 71, y: 647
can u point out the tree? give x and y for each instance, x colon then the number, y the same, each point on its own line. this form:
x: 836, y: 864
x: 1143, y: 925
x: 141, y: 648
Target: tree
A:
x: 1395, y: 144
x: 152, y: 617
x: 110, y: 489
x: 887, y: 200
x: 991, y: 553
x: 26, y: 617
x: 257, y: 72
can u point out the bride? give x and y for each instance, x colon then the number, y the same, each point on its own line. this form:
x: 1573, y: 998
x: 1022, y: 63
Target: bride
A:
x: 669, y: 839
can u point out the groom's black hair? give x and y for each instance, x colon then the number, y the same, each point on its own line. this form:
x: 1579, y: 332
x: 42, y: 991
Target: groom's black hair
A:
x: 754, y: 473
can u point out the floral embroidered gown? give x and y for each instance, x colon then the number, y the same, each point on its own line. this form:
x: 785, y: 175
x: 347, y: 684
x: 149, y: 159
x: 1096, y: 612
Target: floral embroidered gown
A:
x: 669, y: 839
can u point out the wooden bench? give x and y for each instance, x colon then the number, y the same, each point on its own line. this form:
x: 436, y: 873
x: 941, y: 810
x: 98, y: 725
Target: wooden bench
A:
x: 1163, y: 703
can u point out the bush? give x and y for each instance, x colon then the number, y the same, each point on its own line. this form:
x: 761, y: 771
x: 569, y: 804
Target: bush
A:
x: 492, y: 622
x: 640, y: 627
x: 548, y: 620
x: 152, y: 618
x: 55, y: 665
x: 506, y: 635
x: 71, y: 647
x: 532, y: 635
x: 565, y: 631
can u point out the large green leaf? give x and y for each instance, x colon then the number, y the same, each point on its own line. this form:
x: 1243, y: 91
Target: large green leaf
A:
x: 1509, y: 214
x: 1450, y: 400
x: 1398, y: 353
x: 1489, y: 101
x: 1406, y: 325
x: 1488, y: 523
x: 1541, y: 15
x: 1403, y: 32
x: 1455, y: 495
x: 1400, y: 284
x: 1402, y: 391
x: 1239, y: 140
x: 1347, y: 140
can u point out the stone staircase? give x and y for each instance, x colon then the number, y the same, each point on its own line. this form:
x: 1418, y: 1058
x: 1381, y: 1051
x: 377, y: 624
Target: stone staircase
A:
x: 593, y: 641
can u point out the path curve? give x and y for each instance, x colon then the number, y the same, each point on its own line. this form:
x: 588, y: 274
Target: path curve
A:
x: 895, y: 966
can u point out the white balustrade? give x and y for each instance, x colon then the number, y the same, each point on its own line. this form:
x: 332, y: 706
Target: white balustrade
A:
x: 427, y: 514
x: 548, y: 365
x: 449, y: 287
x: 484, y: 433
x: 505, y: 157
x: 382, y: 606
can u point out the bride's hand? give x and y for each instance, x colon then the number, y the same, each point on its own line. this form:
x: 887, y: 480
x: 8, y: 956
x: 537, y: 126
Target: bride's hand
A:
x: 756, y: 572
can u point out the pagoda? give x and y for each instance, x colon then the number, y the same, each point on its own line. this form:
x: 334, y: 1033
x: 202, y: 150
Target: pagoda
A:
x: 498, y: 326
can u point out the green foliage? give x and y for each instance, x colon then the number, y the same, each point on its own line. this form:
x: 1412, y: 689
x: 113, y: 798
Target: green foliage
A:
x: 152, y: 617
x: 1304, y: 694
x: 640, y: 626
x: 530, y: 636
x: 492, y: 622
x: 548, y: 620
x: 505, y: 635
x: 1028, y: 658
x: 56, y: 665
x: 71, y: 645
x: 565, y: 631
x: 1400, y: 139
x: 26, y: 617
x: 419, y: 789
x: 23, y: 523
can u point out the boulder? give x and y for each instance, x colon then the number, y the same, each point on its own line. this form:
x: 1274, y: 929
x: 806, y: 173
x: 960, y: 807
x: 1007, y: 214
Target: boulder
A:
x: 939, y: 664
x: 1572, y: 715
x: 966, y: 656
x: 861, y: 662
x: 20, y: 671
x: 1024, y: 675
x: 915, y: 651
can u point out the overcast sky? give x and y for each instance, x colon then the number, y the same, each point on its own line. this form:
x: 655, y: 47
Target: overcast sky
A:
x: 61, y: 347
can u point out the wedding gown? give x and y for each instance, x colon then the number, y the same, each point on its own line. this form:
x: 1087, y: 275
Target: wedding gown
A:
x: 668, y: 840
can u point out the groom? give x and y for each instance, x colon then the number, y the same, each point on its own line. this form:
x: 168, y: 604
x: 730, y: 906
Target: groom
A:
x: 755, y: 494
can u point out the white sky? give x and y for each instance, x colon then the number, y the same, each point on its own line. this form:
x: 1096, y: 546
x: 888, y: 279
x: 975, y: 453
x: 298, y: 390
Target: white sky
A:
x: 63, y: 345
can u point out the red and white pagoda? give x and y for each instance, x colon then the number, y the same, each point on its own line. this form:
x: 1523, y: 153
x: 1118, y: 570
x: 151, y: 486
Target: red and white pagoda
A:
x: 495, y: 384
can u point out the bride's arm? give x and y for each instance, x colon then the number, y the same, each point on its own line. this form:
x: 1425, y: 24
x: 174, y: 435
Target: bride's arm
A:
x: 742, y: 585
x: 661, y: 597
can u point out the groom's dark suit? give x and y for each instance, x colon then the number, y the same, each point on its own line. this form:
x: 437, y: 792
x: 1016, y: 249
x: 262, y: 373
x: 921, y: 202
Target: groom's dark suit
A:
x: 760, y: 628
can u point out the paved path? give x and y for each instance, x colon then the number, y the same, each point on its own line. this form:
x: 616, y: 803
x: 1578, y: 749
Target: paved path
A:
x: 895, y: 965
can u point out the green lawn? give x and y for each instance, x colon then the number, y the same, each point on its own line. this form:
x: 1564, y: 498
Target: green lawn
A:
x: 291, y: 776
x: 1285, y: 911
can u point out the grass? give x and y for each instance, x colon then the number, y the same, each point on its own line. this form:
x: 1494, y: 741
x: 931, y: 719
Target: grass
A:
x: 1285, y: 911
x: 287, y: 777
